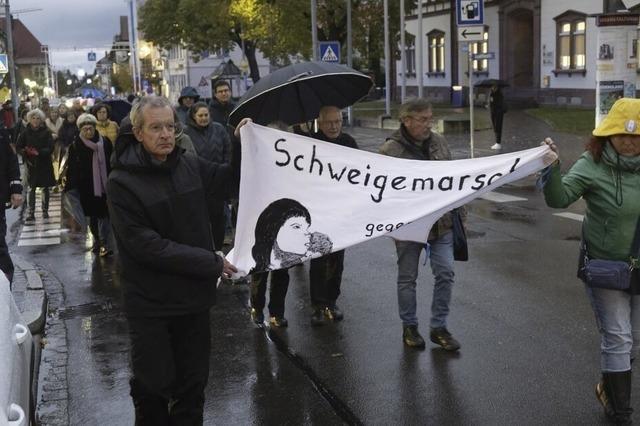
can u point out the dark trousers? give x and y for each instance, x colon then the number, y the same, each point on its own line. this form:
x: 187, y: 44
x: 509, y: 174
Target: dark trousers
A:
x: 218, y: 223
x: 277, y: 291
x: 6, y: 265
x: 325, y: 276
x: 496, y: 122
x: 32, y: 199
x: 170, y: 363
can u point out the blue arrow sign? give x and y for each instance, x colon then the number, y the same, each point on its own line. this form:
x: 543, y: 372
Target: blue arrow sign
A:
x: 329, y: 51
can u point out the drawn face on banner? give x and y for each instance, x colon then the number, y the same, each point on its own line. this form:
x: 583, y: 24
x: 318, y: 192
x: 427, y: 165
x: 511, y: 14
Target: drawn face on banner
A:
x: 282, y: 236
x: 293, y: 236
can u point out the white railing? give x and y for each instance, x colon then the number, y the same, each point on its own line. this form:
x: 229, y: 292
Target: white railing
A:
x: 15, y: 361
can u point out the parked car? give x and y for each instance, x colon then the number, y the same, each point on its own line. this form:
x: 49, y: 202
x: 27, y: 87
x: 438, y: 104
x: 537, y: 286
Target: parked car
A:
x: 16, y: 350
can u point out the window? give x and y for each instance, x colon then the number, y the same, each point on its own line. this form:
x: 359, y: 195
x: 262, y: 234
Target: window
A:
x: 571, y: 41
x: 410, y: 56
x: 481, y: 65
x: 436, y: 52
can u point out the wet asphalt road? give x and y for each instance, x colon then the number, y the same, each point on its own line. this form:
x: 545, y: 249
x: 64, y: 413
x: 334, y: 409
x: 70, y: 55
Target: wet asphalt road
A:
x: 529, y: 343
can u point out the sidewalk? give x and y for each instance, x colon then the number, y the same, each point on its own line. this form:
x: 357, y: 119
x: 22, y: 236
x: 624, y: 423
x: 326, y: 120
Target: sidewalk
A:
x: 29, y: 294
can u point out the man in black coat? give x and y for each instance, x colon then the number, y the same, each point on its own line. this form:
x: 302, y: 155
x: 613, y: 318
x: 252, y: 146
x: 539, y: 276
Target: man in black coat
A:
x: 325, y: 273
x: 221, y: 105
x: 10, y: 194
x: 157, y: 197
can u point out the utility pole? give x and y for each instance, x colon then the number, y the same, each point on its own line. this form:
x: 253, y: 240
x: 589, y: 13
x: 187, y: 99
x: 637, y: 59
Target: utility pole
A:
x: 349, y: 56
x: 387, y: 61
x: 11, y: 64
x: 134, y: 48
x: 314, y: 29
x: 419, y: 39
x: 403, y: 55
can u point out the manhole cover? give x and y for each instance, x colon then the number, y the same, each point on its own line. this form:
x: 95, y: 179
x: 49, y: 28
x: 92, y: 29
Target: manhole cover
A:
x: 85, y: 310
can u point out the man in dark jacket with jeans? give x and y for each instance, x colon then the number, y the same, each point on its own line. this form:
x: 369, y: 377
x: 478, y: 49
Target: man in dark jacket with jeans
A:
x: 415, y: 140
x: 157, y: 197
x: 325, y: 273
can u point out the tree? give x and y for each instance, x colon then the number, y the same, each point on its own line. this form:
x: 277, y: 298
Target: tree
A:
x: 273, y: 26
x: 121, y: 80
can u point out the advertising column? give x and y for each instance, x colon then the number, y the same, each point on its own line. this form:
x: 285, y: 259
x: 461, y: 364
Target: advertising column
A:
x: 617, y: 61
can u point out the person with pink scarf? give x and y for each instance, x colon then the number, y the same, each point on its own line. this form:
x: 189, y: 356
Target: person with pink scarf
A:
x: 89, y: 166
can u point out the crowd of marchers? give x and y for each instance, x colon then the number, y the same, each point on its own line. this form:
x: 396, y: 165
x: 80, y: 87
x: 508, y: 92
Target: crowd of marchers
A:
x: 163, y: 185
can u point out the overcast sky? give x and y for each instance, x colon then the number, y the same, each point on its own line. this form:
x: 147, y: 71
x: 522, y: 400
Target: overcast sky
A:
x: 88, y: 25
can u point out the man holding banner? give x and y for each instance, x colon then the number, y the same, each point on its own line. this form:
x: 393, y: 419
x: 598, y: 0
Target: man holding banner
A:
x: 415, y: 140
x: 325, y: 273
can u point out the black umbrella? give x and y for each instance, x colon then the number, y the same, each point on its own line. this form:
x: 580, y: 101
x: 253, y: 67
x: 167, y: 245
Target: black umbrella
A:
x: 490, y: 82
x: 119, y: 109
x: 295, y: 93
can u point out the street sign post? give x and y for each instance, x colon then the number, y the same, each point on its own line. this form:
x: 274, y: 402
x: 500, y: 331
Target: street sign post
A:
x: 330, y: 51
x: 471, y: 33
x: 4, y: 64
x: 470, y: 12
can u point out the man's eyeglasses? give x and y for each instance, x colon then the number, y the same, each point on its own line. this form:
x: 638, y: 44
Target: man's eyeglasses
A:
x: 157, y: 128
x: 422, y: 119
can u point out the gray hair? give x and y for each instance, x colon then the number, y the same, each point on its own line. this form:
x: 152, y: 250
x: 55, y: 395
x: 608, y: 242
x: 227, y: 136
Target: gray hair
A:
x: 326, y: 109
x: 37, y: 112
x: 137, y: 120
x: 412, y: 106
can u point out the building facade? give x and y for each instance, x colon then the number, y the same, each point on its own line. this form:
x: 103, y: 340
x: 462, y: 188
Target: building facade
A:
x: 546, y: 50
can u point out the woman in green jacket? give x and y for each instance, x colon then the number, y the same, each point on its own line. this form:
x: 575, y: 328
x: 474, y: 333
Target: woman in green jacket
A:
x: 607, y: 177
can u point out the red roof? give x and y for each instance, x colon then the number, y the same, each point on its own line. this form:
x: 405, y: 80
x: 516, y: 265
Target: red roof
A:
x: 26, y: 47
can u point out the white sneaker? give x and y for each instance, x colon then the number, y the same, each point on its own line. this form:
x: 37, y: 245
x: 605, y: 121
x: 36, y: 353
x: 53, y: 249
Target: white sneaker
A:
x: 496, y: 146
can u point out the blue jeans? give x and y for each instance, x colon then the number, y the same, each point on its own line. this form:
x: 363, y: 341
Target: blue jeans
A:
x: 618, y: 319
x: 441, y: 256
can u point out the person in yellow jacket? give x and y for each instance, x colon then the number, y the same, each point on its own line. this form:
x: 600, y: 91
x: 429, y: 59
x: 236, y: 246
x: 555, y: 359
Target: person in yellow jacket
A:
x: 107, y: 128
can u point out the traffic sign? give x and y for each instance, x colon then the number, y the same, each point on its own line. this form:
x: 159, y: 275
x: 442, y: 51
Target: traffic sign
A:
x: 471, y: 33
x: 470, y: 12
x: 480, y: 56
x: 91, y: 56
x: 330, y: 51
x: 4, y: 64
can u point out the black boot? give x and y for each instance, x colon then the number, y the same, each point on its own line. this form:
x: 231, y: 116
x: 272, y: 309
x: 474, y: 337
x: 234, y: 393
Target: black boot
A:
x: 614, y: 393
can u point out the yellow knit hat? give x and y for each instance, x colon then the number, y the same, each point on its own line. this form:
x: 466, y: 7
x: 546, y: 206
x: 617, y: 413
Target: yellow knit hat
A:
x: 623, y: 119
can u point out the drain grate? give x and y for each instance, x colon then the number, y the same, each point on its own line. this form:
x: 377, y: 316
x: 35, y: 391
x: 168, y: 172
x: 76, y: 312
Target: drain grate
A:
x: 85, y: 310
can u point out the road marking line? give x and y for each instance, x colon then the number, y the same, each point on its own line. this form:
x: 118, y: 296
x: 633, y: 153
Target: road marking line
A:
x: 43, y: 231
x: 497, y: 197
x: 39, y: 242
x: 569, y: 215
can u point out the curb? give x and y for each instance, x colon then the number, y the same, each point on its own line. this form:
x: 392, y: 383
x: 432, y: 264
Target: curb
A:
x: 34, y: 307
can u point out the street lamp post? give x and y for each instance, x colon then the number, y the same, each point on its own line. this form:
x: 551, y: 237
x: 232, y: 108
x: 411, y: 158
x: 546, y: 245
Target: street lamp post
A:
x: 12, y: 67
x: 387, y: 61
x: 314, y: 29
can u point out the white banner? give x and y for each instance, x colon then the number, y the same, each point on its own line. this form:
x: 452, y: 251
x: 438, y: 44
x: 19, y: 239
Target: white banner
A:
x: 302, y: 198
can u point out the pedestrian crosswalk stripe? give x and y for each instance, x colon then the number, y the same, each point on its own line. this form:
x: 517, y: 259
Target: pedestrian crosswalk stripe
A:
x: 43, y: 231
x: 497, y: 197
x: 569, y: 215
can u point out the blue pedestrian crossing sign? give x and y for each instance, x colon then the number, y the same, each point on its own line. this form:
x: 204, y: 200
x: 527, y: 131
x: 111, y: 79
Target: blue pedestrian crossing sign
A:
x: 4, y: 64
x: 470, y: 12
x: 330, y: 51
x: 91, y: 56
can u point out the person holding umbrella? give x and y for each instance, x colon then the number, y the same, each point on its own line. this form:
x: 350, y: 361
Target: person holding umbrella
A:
x: 325, y: 273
